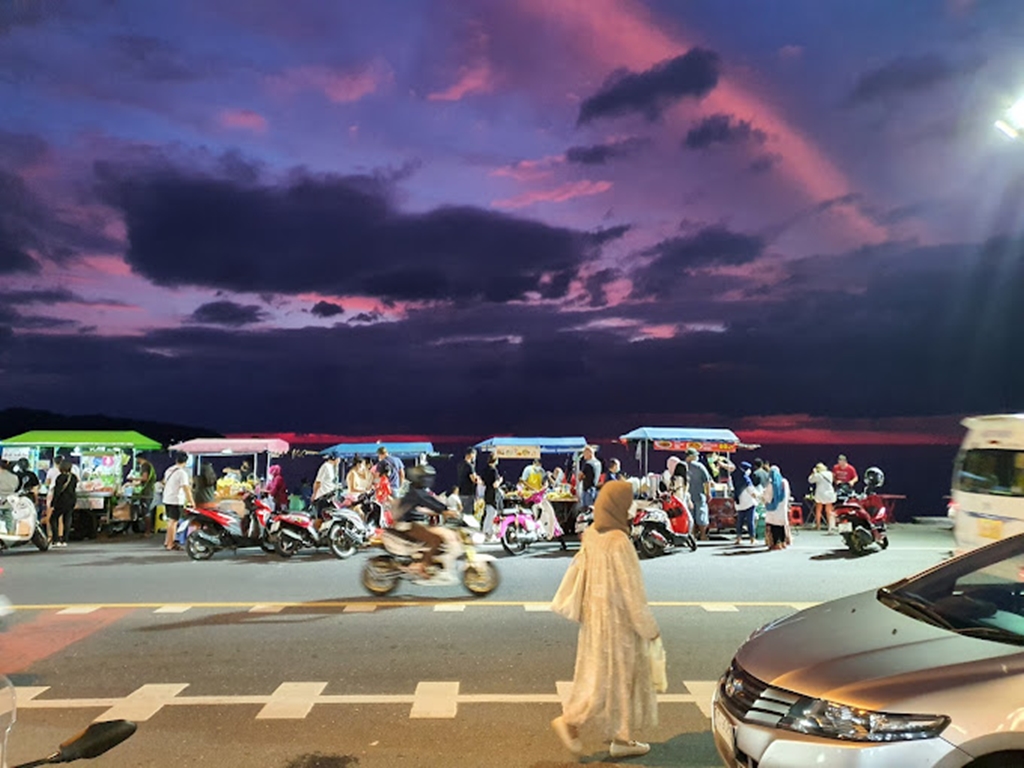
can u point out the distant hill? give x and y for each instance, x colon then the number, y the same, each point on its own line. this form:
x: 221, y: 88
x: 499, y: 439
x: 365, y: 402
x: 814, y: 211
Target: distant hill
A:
x: 14, y: 421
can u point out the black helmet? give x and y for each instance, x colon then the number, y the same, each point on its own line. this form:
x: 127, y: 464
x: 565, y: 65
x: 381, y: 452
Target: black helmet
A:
x: 421, y: 476
x: 873, y: 477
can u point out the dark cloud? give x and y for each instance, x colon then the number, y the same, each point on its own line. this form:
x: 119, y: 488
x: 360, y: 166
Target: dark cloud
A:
x: 596, y: 285
x: 599, y: 154
x: 342, y: 235
x: 608, y: 234
x: 327, y: 309
x: 901, y: 76
x: 39, y: 296
x: 722, y: 129
x: 18, y: 150
x: 672, y: 258
x: 228, y: 313
x: 150, y: 58
x: 764, y: 163
x: 649, y: 93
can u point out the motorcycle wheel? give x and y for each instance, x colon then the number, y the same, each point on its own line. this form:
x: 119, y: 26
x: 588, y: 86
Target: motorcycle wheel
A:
x: 266, y: 545
x: 380, y: 575
x: 480, y: 578
x: 286, y: 546
x: 197, y: 548
x: 341, y: 542
x: 691, y: 542
x: 648, y: 546
x: 884, y: 542
x: 39, y: 539
x: 853, y: 543
x: 512, y: 541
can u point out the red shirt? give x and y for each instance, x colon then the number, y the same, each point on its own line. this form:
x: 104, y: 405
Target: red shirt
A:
x: 845, y: 474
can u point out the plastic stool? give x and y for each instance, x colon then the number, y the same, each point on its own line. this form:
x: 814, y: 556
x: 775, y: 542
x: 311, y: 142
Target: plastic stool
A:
x: 796, y: 514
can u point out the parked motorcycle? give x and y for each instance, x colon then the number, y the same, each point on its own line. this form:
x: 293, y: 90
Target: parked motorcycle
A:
x: 680, y: 521
x: 19, y: 524
x: 650, y: 532
x: 521, y: 526
x: 339, y: 527
x: 478, y: 572
x: 860, y: 519
x: 212, y: 529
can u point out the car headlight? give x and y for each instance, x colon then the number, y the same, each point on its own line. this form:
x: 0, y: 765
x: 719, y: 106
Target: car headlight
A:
x: 817, y: 717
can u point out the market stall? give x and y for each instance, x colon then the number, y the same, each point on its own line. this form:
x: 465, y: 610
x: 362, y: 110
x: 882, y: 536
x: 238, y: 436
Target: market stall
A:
x: 100, y: 458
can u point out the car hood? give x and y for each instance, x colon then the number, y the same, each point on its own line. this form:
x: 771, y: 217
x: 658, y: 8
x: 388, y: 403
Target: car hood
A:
x: 860, y: 652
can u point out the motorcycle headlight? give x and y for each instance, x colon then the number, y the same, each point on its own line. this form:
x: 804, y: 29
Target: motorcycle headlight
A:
x: 817, y: 717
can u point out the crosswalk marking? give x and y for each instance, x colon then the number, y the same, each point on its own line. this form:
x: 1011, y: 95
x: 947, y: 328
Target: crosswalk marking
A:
x: 719, y: 608
x: 78, y: 610
x: 256, y: 607
x: 449, y: 608
x: 267, y: 608
x: 359, y: 608
x: 537, y: 607
x: 295, y: 700
x: 172, y: 609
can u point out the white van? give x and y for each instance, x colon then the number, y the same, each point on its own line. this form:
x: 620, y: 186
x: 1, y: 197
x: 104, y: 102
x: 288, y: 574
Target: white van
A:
x: 988, y: 481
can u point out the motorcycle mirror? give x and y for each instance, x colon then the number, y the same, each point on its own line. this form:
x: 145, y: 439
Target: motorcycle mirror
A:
x: 94, y: 741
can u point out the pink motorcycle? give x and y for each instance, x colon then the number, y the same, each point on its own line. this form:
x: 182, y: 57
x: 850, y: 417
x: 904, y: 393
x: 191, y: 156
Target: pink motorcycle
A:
x: 519, y: 526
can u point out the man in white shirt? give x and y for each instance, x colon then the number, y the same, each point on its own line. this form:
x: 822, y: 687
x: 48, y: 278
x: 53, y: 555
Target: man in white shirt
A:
x: 177, y: 493
x: 326, y: 483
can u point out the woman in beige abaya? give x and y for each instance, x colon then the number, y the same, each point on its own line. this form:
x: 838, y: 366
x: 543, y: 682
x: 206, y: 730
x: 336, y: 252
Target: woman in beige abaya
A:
x: 612, y: 688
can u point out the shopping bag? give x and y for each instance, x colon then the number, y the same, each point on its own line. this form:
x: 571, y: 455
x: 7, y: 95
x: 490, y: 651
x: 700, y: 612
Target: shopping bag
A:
x: 568, y: 600
x: 659, y: 675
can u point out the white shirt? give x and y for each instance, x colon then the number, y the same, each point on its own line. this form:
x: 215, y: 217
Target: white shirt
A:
x: 53, y: 471
x: 779, y: 515
x: 176, y: 479
x: 824, y: 492
x: 327, y: 477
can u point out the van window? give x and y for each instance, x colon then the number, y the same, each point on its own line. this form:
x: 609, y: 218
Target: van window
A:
x: 991, y: 470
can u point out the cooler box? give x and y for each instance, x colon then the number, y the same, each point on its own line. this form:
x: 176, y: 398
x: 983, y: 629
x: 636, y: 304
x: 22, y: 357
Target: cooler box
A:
x: 160, y: 519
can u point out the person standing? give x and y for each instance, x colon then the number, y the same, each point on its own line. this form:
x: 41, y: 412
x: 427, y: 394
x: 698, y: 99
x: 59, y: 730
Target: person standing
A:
x: 614, y: 471
x: 844, y: 473
x: 61, y: 501
x: 747, y: 496
x: 699, y: 481
x: 492, y: 484
x: 393, y: 468
x: 145, y: 486
x: 533, y: 479
x: 824, y: 496
x: 277, y: 488
x: 9, y: 481
x: 776, y: 516
x: 360, y: 478
x: 589, y: 474
x: 467, y: 482
x: 612, y: 686
x: 205, y: 491
x: 325, y: 484
x: 177, y: 494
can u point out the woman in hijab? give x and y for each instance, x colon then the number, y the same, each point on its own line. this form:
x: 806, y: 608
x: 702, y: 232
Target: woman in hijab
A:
x: 776, y: 516
x: 276, y: 488
x: 748, y: 496
x: 612, y: 686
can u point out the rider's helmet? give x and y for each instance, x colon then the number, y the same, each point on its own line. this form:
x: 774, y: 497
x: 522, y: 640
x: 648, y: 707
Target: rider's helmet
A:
x: 873, y: 478
x: 421, y: 476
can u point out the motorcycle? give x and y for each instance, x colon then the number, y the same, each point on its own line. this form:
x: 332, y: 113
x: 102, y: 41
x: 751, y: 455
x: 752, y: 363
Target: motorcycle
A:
x: 212, y: 529
x: 19, y: 524
x: 339, y: 527
x: 860, y: 519
x: 382, y: 573
x: 680, y: 520
x: 650, y: 532
x: 519, y: 526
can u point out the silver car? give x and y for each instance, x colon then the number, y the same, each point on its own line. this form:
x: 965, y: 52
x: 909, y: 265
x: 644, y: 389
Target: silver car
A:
x: 928, y: 671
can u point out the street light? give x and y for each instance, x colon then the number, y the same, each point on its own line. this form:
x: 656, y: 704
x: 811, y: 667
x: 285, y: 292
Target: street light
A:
x: 1013, y: 124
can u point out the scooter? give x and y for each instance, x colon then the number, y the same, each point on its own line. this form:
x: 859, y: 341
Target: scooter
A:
x: 211, y: 529
x: 19, y: 524
x: 680, y: 521
x: 382, y: 573
x: 339, y: 527
x: 650, y: 532
x: 860, y: 519
x: 519, y: 527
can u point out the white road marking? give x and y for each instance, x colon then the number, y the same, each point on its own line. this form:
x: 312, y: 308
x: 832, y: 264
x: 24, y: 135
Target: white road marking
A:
x: 449, y: 608
x: 267, y: 608
x: 719, y: 608
x: 142, y: 704
x: 564, y: 688
x: 77, y: 610
x: 702, y: 691
x: 172, y: 609
x: 291, y: 701
x: 359, y: 608
x: 803, y: 606
x: 537, y: 607
x: 435, y: 700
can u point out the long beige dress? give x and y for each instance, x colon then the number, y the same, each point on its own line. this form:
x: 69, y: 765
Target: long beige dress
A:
x: 612, y: 688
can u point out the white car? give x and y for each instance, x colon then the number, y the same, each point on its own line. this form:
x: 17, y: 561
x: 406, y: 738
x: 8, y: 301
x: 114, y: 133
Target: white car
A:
x: 928, y: 671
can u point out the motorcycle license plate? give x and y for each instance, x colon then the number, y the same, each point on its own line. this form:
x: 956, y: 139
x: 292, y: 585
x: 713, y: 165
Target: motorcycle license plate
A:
x: 990, y: 529
x: 845, y: 527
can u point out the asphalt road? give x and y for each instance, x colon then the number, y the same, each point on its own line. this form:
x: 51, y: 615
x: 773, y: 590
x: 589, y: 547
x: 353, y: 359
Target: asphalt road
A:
x: 250, y: 660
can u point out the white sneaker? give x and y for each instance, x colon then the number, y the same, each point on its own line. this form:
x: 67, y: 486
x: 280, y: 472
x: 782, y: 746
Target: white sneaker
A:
x: 570, y: 742
x: 632, y: 749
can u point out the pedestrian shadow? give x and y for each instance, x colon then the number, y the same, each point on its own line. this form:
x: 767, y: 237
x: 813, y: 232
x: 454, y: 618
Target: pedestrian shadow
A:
x: 696, y: 749
x: 742, y: 552
x: 840, y: 554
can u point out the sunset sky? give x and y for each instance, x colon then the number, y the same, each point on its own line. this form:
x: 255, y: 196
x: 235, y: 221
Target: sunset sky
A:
x: 459, y: 217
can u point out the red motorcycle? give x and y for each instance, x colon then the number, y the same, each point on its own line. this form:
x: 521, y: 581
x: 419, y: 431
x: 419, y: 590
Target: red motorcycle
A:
x: 860, y: 518
x: 212, y: 529
x: 680, y: 521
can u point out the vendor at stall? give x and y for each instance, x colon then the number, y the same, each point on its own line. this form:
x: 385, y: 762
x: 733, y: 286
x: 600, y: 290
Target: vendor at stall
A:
x: 533, y: 479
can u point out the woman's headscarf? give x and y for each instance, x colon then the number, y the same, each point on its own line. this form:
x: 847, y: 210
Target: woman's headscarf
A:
x: 777, y: 489
x: 671, y: 464
x: 274, y: 471
x: 611, y: 510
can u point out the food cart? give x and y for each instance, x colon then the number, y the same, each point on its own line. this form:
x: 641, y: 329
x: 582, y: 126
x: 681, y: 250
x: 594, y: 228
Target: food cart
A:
x: 721, y: 507
x: 529, y: 448
x: 102, y: 456
x: 230, y: 490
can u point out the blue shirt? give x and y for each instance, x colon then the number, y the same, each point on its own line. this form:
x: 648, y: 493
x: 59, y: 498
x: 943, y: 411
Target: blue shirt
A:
x: 698, y: 475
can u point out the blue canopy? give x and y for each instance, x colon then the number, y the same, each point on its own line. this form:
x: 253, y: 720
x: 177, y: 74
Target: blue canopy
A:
x: 683, y: 434
x: 398, y: 450
x: 546, y: 444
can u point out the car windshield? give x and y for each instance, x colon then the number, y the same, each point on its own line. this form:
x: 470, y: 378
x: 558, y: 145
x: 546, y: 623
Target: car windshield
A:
x: 979, y: 595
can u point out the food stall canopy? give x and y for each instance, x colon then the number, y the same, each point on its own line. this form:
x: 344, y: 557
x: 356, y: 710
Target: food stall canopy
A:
x: 213, y: 446
x: 519, y: 447
x: 681, y: 438
x: 398, y: 450
x: 60, y: 438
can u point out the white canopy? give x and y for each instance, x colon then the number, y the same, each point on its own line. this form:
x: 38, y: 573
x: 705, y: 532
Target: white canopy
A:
x: 219, y: 446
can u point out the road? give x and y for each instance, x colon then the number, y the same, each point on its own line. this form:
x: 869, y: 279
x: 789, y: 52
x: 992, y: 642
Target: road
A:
x: 250, y: 660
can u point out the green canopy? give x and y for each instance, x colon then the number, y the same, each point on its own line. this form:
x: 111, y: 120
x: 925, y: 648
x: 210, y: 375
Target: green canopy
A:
x: 61, y: 438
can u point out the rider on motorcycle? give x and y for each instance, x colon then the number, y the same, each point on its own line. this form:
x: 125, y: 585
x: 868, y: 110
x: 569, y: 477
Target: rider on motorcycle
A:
x: 421, y: 479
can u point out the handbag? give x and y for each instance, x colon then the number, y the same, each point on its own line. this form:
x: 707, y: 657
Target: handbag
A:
x: 568, y: 600
x: 659, y: 675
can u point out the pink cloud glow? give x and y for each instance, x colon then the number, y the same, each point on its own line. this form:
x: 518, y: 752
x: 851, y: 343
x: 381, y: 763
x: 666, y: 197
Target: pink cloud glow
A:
x: 561, y: 194
x: 111, y: 266
x: 804, y: 429
x: 242, y: 119
x: 339, y: 87
x: 622, y: 33
x: 529, y: 170
x: 478, y: 78
x: 664, y: 331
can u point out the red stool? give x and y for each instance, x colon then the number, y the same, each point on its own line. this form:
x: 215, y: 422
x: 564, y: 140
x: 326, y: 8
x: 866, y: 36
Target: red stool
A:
x: 796, y: 514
